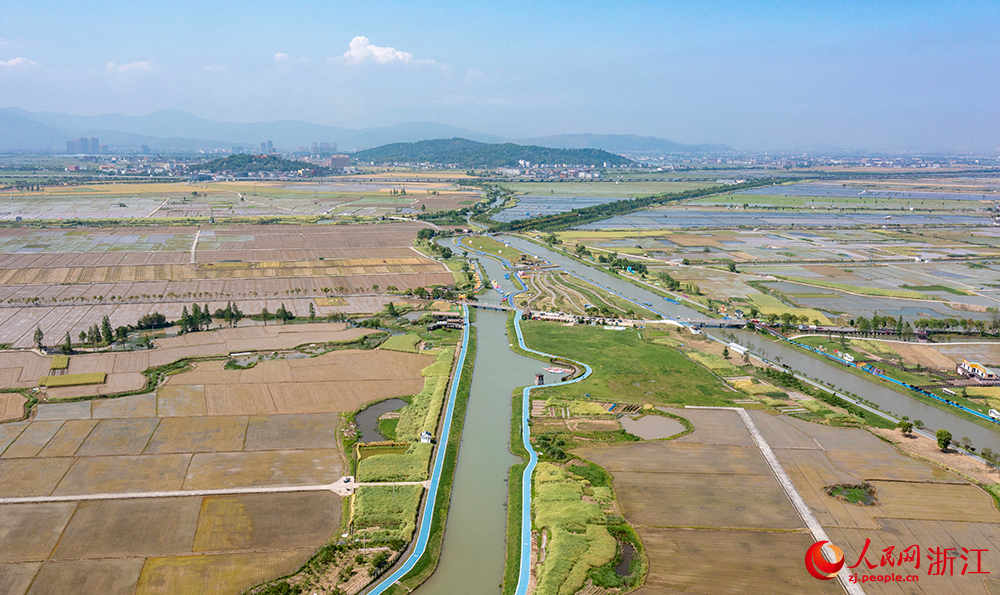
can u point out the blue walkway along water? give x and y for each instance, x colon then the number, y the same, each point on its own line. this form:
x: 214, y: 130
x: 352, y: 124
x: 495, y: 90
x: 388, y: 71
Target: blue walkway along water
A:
x: 525, y: 570
x: 424, y: 531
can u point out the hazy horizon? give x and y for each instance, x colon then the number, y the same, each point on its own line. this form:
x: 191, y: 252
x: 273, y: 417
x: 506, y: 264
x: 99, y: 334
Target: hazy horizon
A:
x: 897, y: 76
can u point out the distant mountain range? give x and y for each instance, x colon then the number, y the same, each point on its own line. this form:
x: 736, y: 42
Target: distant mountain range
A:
x: 472, y: 154
x: 621, y: 143
x: 175, y: 130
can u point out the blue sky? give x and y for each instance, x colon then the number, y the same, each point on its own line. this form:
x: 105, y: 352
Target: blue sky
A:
x: 760, y: 75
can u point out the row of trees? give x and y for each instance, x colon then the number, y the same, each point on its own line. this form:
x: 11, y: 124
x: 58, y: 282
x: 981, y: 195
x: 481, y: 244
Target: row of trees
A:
x: 619, y: 207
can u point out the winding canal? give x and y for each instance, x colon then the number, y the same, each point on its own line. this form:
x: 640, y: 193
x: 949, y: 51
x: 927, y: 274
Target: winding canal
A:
x: 886, y: 398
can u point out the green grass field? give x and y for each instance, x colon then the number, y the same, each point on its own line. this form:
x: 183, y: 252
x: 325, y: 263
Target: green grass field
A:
x: 491, y: 246
x: 410, y: 466
x: 383, y: 513
x: 406, y: 343
x: 626, y: 368
x: 59, y: 362
x: 73, y: 379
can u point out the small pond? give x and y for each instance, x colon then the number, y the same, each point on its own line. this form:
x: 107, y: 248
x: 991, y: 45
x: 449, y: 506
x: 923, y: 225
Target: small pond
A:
x: 651, y: 427
x: 367, y: 419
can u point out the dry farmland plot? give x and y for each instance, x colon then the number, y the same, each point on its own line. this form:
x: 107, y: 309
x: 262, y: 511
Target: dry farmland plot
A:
x: 11, y: 406
x: 79, y: 276
x: 227, y: 573
x: 282, y: 432
x: 268, y: 468
x: 198, y: 434
x: 728, y: 562
x: 69, y: 438
x: 712, y: 487
x: 271, y: 521
x: 108, y: 577
x: 9, y: 432
x: 136, y: 406
x: 118, y: 437
x: 104, y: 475
x: 32, y: 439
x: 31, y: 531
x: 918, y: 503
x: 31, y: 477
x: 16, y: 578
x: 125, y: 528
x: 900, y: 534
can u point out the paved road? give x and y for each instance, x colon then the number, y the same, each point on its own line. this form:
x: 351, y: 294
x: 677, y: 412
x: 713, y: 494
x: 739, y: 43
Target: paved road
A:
x: 340, y: 487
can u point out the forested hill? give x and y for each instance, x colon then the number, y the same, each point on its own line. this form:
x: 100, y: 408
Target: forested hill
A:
x: 243, y: 162
x: 471, y: 154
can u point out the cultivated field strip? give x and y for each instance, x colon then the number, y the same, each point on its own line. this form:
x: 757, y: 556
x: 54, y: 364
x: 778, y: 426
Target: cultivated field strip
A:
x: 28, y: 367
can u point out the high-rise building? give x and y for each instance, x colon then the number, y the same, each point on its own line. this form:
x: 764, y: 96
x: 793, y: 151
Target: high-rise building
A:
x: 270, y: 147
x: 72, y: 147
x: 95, y: 145
x: 263, y: 147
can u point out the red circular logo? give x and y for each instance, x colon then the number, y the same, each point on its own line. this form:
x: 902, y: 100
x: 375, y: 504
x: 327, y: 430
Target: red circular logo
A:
x: 820, y: 567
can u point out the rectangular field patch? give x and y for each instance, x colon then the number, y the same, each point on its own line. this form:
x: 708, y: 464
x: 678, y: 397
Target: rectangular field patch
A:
x: 267, y: 521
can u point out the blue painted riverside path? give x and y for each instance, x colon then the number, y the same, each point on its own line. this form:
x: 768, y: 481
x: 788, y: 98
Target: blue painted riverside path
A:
x: 423, y: 534
x: 525, y: 569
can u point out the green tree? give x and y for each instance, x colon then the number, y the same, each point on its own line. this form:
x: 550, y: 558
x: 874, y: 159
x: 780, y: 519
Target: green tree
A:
x: 725, y: 352
x: 390, y: 309
x: 943, y: 439
x: 106, y: 331
x: 905, y: 427
x: 38, y: 336
x: 732, y: 267
x: 312, y: 312
x: 265, y: 315
x: 67, y: 346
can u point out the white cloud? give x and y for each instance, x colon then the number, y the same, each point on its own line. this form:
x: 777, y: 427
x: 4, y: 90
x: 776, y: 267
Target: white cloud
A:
x: 283, y: 59
x: 215, y: 68
x: 18, y: 62
x: 143, y: 66
x: 362, y: 50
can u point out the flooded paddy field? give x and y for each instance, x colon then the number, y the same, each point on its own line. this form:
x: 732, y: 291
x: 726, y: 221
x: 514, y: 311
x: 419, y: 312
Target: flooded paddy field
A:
x: 853, y: 190
x: 690, y: 218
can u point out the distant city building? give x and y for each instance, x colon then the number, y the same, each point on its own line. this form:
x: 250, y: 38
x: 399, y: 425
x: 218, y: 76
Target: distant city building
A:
x: 339, y: 161
x: 323, y: 149
x: 84, y: 146
x: 144, y: 149
x: 263, y: 147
